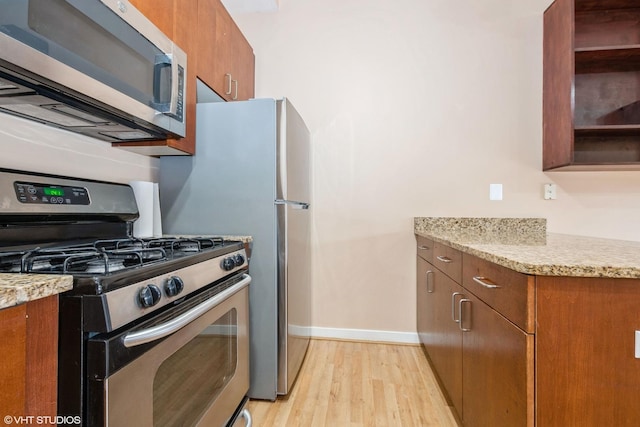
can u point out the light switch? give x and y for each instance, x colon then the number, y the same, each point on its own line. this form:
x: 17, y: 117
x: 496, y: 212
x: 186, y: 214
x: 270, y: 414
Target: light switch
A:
x: 637, y: 344
x: 495, y: 191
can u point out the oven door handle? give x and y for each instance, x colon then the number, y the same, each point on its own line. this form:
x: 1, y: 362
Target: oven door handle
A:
x: 165, y: 329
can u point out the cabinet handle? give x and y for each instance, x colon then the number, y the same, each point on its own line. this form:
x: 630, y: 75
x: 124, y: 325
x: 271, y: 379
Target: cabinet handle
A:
x: 453, y: 305
x: 444, y: 259
x: 429, y: 275
x: 423, y: 248
x: 487, y: 283
x: 235, y: 93
x: 460, y: 324
x: 228, y: 76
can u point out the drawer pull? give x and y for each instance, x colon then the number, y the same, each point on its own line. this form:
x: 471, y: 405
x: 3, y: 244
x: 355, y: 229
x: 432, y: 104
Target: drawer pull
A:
x: 453, y: 306
x: 444, y: 259
x: 461, y: 323
x: 423, y: 248
x: 430, y: 280
x: 485, y: 282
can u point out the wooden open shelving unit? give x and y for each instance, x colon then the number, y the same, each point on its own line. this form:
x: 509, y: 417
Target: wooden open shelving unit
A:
x: 591, y: 93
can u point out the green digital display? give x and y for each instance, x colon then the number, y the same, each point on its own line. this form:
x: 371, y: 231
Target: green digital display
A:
x: 53, y: 191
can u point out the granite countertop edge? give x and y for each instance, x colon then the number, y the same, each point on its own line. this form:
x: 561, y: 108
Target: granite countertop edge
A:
x: 553, y: 255
x: 19, y: 288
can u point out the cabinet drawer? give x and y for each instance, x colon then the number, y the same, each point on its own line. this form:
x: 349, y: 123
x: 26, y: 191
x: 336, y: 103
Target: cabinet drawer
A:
x: 510, y: 293
x: 448, y: 260
x: 425, y: 248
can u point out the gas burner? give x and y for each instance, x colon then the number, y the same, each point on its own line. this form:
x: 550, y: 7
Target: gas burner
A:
x: 104, y: 266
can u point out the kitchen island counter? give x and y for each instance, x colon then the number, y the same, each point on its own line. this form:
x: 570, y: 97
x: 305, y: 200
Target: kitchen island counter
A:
x: 523, y: 245
x: 19, y: 288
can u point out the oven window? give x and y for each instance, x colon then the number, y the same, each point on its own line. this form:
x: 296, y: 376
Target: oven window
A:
x: 191, y: 379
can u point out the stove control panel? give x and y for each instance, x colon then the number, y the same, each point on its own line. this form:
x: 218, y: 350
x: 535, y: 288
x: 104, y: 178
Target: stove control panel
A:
x: 156, y: 292
x: 30, y: 192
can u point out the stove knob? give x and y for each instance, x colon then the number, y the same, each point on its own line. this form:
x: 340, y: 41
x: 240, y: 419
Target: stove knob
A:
x: 228, y: 264
x: 149, y: 296
x: 173, y: 286
x: 239, y: 259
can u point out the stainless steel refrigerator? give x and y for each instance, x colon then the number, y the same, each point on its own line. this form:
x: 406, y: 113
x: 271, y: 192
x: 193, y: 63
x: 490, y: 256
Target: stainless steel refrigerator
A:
x: 251, y: 176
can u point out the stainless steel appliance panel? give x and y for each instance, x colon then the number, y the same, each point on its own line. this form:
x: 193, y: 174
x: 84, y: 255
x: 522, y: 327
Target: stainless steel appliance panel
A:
x: 97, y: 67
x: 253, y: 157
x: 145, y: 391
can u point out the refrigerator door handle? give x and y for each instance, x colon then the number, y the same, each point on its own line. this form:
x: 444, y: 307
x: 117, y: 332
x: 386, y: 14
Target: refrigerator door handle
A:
x: 293, y: 204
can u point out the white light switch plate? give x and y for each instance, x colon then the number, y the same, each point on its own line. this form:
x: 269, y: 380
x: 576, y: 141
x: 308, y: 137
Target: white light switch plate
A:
x: 495, y: 191
x: 637, y: 344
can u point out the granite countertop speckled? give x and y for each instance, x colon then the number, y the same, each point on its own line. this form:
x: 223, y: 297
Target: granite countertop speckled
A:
x: 17, y: 288
x: 523, y: 245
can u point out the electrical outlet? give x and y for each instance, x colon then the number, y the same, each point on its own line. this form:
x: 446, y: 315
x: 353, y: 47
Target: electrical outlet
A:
x: 549, y: 191
x: 495, y: 191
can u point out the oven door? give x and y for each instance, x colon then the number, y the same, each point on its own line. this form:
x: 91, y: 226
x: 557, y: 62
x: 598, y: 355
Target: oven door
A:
x: 190, y: 367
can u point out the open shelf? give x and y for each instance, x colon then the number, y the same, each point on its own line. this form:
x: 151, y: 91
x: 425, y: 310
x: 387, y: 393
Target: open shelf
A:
x: 589, y: 5
x: 607, y: 59
x: 592, y: 85
x: 608, y: 130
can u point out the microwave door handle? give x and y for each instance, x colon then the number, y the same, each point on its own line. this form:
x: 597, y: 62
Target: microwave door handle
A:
x: 144, y: 336
x: 175, y: 86
x: 163, y: 61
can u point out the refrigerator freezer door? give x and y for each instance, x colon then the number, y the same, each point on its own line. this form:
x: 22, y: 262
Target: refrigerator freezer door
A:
x: 293, y: 163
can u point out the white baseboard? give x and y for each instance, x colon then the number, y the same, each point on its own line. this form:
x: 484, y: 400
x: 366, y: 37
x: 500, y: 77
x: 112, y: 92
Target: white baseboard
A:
x: 365, y: 335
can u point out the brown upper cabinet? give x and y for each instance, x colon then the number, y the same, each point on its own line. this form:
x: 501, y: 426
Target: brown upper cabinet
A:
x: 591, y: 92
x: 226, y: 62
x: 214, y: 45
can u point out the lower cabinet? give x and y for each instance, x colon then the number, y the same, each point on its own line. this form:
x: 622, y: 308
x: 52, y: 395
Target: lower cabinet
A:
x: 440, y: 335
x: 29, y: 362
x: 497, y: 368
x: 588, y: 370
x: 484, y: 362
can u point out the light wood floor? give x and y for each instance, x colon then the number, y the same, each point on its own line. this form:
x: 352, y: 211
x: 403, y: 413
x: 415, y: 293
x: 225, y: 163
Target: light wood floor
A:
x: 359, y: 384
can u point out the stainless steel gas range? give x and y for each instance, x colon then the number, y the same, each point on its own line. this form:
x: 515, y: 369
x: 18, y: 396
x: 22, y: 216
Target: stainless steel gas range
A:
x: 155, y: 331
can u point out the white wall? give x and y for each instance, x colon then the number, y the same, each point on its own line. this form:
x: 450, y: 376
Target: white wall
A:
x: 415, y: 108
x: 29, y: 146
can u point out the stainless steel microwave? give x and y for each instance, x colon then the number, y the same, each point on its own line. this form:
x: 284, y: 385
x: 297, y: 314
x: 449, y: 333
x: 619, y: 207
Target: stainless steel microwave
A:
x: 95, y: 67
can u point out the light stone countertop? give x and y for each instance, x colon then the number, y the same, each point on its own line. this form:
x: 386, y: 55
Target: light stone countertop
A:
x: 18, y: 288
x: 523, y: 245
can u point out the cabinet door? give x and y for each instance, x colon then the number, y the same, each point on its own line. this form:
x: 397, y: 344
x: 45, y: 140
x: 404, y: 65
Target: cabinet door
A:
x: 243, y: 66
x: 587, y: 373
x: 497, y: 368
x: 28, y: 367
x: 439, y: 333
x: 160, y: 12
x: 214, y: 46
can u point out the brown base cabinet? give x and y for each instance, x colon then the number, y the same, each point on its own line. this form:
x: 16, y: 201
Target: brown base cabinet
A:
x: 29, y: 362
x: 483, y: 361
x: 587, y: 374
x: 511, y: 349
x: 439, y: 334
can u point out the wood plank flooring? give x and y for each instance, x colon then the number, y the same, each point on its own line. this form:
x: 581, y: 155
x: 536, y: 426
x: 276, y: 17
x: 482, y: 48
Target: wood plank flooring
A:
x: 354, y: 384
